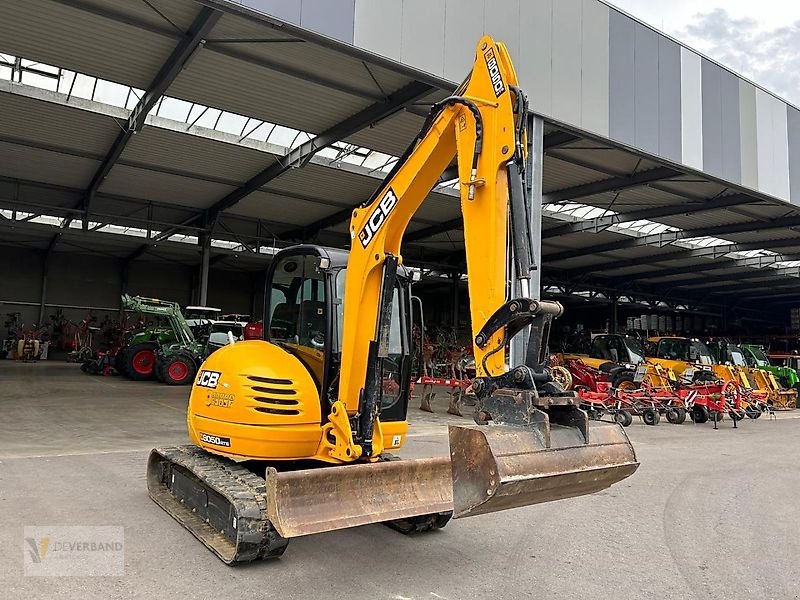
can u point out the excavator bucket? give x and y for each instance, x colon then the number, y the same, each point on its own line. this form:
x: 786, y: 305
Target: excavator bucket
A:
x: 500, y: 466
x: 406, y: 494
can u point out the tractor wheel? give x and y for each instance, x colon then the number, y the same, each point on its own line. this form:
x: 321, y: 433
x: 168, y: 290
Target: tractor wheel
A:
x: 676, y: 416
x: 177, y: 370
x: 158, y: 372
x: 624, y: 381
x: 651, y: 417
x: 681, y: 415
x: 699, y: 414
x: 138, y: 361
x: 119, y: 362
x: 623, y: 417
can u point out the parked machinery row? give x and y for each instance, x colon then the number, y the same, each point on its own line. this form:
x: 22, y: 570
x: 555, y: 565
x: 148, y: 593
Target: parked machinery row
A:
x: 621, y: 378
x: 170, y: 349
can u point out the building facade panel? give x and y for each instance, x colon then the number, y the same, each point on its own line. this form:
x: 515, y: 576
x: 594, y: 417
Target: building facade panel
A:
x: 646, y: 88
x: 501, y: 20
x: 594, y: 70
x: 621, y: 67
x: 793, y: 125
x: 535, y: 66
x: 748, y: 134
x: 566, y: 41
x: 286, y: 10
x: 377, y: 27
x: 669, y: 99
x: 334, y: 18
x: 712, y: 117
x: 730, y: 120
x: 423, y: 42
x: 463, y: 26
x: 691, y: 109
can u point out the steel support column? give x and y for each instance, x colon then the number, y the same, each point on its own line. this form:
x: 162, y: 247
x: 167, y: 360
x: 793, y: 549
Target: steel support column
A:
x: 533, y: 189
x: 204, y: 240
x: 613, y: 321
x: 455, y: 279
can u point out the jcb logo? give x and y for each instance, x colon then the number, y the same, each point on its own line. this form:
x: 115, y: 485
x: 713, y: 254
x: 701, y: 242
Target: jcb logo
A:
x: 208, y: 379
x: 494, y: 73
x: 378, y: 217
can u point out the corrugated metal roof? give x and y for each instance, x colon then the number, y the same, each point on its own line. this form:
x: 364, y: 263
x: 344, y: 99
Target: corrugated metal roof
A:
x: 712, y: 218
x: 559, y: 175
x: 604, y: 158
x: 201, y: 156
x: 282, y: 209
x: 390, y: 136
x: 55, y: 125
x: 248, y: 89
x: 49, y: 167
x: 140, y: 183
x: 57, y: 34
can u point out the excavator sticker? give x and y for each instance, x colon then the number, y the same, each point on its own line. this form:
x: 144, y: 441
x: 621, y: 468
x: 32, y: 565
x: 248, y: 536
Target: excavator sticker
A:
x: 378, y: 217
x: 215, y: 439
x: 208, y: 379
x: 494, y: 73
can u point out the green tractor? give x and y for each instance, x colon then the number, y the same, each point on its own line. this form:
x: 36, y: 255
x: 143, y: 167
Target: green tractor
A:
x: 168, y: 352
x: 756, y: 357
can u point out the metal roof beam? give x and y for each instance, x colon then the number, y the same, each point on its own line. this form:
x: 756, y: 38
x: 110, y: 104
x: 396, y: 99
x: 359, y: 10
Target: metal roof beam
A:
x: 615, y: 184
x: 710, y: 252
x: 744, y: 288
x: 299, y: 156
x: 667, y: 237
x: 309, y: 231
x: 558, y: 139
x: 427, y: 232
x: 177, y: 61
x: 602, y: 223
x: 754, y: 262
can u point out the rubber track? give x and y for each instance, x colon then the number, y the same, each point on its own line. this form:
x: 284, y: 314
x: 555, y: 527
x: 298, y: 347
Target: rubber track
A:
x: 245, y: 491
x: 419, y: 523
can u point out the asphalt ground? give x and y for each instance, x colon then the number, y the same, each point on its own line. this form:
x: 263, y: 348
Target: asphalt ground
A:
x: 709, y: 514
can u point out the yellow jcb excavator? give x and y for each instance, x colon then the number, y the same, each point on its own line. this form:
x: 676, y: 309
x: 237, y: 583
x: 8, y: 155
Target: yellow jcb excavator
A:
x: 291, y: 435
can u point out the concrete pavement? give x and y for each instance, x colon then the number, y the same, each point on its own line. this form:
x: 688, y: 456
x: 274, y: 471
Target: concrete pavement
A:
x: 709, y: 514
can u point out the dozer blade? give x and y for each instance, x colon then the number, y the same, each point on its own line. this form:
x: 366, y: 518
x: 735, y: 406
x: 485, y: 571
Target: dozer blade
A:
x: 317, y: 500
x: 501, y: 466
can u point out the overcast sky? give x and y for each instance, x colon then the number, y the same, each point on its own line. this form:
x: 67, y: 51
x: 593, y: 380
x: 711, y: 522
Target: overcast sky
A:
x: 758, y: 38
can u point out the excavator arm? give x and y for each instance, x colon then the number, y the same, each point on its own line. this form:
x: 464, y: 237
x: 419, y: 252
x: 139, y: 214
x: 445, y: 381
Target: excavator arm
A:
x: 521, y: 410
x: 481, y: 126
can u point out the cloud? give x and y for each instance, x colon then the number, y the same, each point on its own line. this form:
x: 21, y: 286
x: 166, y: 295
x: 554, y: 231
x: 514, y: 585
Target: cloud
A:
x: 770, y: 57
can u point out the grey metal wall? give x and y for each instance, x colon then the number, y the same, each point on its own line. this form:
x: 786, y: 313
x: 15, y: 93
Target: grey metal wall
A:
x: 84, y: 280
x: 589, y: 66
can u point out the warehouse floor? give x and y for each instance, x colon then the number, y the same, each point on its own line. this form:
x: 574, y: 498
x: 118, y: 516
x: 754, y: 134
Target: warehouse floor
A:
x: 709, y: 514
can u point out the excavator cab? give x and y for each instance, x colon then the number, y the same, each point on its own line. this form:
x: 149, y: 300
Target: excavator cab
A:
x: 304, y: 315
